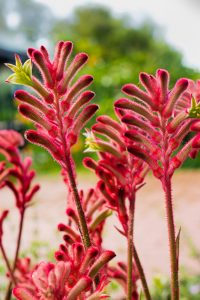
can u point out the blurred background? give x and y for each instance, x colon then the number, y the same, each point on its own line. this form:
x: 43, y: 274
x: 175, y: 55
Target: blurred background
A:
x: 122, y: 38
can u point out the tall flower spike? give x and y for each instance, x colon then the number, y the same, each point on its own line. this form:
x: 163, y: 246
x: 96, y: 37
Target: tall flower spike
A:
x: 10, y: 140
x: 60, y: 108
x: 17, y: 176
x: 120, y: 176
x: 159, y: 143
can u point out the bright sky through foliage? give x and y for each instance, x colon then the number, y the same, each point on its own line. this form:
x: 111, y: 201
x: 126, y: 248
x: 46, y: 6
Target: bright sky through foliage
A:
x: 180, y: 19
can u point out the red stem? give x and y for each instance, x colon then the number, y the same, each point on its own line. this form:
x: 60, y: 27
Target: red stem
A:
x: 141, y: 274
x: 82, y: 221
x: 166, y: 181
x: 19, y: 237
x: 130, y: 248
x: 172, y: 240
x: 7, y: 263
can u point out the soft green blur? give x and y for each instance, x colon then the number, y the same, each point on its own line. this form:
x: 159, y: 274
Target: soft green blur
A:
x: 118, y: 49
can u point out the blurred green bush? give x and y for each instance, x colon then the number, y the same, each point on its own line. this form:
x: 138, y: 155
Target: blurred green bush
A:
x: 118, y: 50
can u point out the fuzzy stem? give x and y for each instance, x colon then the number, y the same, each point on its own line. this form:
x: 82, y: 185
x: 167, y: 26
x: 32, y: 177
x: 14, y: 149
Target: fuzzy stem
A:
x: 7, y: 263
x: 166, y: 182
x: 141, y: 275
x: 130, y: 248
x: 19, y: 237
x: 172, y: 240
x: 82, y: 221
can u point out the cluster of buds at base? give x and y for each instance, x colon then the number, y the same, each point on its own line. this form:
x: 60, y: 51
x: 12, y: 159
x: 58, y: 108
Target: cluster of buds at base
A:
x: 158, y: 120
x: 70, y: 278
x: 15, y: 167
x: 59, y: 107
x: 119, y: 273
x: 96, y: 212
x: 23, y: 273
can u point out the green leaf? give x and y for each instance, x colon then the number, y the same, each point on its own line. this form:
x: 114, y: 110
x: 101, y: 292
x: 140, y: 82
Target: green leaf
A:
x: 22, y: 74
x: 177, y: 246
x: 27, y: 67
x: 194, y: 111
x: 90, y: 142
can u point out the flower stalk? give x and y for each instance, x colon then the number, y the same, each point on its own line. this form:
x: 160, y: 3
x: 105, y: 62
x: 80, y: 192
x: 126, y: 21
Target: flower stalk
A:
x: 172, y: 240
x: 81, y: 216
x: 130, y: 250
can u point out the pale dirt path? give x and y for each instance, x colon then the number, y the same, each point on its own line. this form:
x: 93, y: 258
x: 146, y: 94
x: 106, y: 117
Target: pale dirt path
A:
x: 150, y: 227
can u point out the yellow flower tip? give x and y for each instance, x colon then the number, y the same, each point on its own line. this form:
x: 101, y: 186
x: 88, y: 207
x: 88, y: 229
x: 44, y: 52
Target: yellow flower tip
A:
x: 194, y: 110
x: 90, y: 142
x: 22, y: 73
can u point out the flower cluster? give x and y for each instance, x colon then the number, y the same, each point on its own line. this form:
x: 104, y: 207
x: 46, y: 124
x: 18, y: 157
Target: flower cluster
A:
x: 15, y: 168
x: 70, y: 278
x: 156, y: 124
x: 149, y: 135
x: 120, y: 173
x: 20, y: 170
x: 15, y: 173
x: 59, y: 110
x: 96, y: 212
x: 60, y: 107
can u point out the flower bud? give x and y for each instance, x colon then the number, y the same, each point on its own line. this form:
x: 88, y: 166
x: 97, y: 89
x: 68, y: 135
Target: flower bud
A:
x: 90, y: 163
x: 180, y: 87
x: 102, y: 260
x: 39, y: 60
x: 45, y: 141
x: 78, y: 62
x: 109, y: 133
x: 80, y: 84
x: 84, y: 98
x: 84, y: 117
x: 163, y: 77
x: 83, y: 284
x: 90, y: 254
x: 133, y: 91
x: 175, y: 122
x: 149, y: 82
x: 196, y: 141
x: 30, y: 113
x: 64, y: 55
x: 26, y: 97
x: 138, y: 108
x: 42, y: 91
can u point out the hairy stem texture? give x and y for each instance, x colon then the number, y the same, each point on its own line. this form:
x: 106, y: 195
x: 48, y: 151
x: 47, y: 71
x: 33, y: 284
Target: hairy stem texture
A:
x: 141, y: 274
x: 82, y: 221
x: 130, y: 249
x: 172, y: 240
x: 19, y: 237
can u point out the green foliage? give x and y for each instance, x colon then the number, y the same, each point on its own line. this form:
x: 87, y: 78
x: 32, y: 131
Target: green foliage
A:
x: 189, y: 287
x: 118, y: 50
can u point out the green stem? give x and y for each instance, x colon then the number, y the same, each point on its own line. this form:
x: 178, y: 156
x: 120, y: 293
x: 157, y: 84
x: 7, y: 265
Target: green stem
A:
x: 130, y: 248
x: 141, y: 275
x: 172, y: 240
